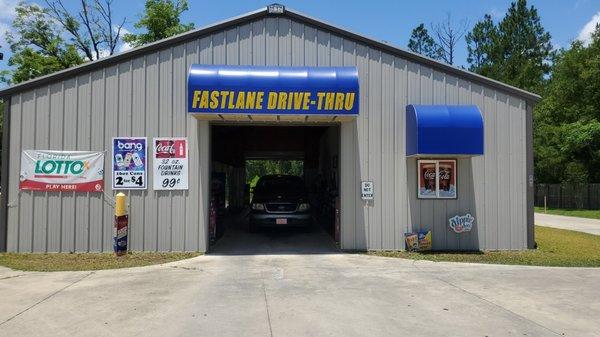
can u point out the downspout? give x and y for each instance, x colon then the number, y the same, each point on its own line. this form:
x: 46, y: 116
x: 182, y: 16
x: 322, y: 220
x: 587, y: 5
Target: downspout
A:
x: 530, y: 179
x: 4, y: 174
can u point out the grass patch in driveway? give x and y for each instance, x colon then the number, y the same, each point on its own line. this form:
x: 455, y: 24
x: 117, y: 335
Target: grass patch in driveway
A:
x: 579, y: 213
x: 556, y: 247
x: 85, y: 261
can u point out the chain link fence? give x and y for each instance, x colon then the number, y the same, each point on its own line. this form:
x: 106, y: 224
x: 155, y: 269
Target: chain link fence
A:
x: 571, y: 196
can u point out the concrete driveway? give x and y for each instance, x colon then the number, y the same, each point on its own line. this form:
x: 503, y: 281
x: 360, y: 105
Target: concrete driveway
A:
x: 591, y: 226
x: 283, y: 293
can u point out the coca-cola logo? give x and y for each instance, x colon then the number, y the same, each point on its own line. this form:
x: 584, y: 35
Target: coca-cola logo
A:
x: 445, y: 175
x: 165, y: 148
x: 429, y: 174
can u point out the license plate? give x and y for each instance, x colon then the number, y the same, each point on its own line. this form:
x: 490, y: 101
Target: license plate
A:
x: 281, y: 221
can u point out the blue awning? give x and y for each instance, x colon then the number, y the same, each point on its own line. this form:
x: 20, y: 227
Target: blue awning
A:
x: 444, y: 130
x: 249, y: 90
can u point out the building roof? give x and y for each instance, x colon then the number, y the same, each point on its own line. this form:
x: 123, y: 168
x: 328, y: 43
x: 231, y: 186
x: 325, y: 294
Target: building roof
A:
x: 265, y: 12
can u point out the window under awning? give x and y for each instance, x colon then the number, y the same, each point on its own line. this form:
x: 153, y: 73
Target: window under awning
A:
x: 444, y: 130
x: 273, y: 93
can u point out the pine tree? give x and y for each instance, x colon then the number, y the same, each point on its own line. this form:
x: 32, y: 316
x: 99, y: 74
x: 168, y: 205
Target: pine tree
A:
x: 482, y: 46
x: 516, y: 51
x: 422, y: 43
x: 161, y: 19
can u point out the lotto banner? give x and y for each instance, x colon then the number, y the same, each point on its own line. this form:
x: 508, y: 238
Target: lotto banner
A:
x: 170, y: 164
x: 75, y: 171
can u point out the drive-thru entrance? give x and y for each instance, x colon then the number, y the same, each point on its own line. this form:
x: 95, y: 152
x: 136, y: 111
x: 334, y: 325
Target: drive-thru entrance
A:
x: 298, y: 164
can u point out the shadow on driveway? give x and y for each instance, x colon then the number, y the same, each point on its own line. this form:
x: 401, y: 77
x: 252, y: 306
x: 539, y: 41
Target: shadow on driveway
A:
x: 237, y: 240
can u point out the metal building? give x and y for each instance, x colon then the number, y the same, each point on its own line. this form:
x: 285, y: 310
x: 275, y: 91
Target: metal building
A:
x: 144, y: 92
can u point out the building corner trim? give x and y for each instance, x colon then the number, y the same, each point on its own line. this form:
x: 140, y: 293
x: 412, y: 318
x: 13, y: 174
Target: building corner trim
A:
x: 530, y: 177
x: 4, y: 175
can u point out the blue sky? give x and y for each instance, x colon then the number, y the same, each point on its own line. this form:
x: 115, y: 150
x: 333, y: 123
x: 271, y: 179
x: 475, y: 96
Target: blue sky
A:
x: 387, y: 20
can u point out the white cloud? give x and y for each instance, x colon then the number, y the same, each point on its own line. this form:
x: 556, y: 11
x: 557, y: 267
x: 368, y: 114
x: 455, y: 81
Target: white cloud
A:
x: 585, y: 35
x: 7, y: 9
x: 7, y: 15
x: 124, y: 45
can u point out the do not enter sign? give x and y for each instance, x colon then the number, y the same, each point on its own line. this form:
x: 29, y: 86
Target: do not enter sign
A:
x: 367, y: 192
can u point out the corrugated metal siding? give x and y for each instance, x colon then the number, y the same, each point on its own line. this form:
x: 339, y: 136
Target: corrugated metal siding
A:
x: 142, y: 97
x: 146, y: 96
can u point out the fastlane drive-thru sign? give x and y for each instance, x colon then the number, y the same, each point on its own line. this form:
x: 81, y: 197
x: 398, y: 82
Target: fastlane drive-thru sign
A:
x: 76, y: 171
x: 129, y: 163
x: 221, y: 89
x: 170, y: 163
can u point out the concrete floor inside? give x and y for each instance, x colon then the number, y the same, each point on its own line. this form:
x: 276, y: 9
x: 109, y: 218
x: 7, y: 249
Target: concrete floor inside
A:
x: 238, y: 240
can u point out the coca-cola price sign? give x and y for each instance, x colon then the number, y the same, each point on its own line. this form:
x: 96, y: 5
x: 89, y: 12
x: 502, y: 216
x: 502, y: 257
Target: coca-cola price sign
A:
x: 170, y: 163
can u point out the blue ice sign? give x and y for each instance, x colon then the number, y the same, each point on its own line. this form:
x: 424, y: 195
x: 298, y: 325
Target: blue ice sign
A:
x: 129, y: 163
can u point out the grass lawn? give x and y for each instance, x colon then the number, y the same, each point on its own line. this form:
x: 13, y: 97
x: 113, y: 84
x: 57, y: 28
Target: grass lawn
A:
x: 556, y: 247
x: 85, y: 261
x: 581, y: 213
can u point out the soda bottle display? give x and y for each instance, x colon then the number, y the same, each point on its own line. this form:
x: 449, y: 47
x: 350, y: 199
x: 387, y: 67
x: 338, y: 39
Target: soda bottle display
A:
x: 445, y: 175
x: 119, y: 160
x: 137, y: 161
x: 127, y: 159
x: 428, y: 173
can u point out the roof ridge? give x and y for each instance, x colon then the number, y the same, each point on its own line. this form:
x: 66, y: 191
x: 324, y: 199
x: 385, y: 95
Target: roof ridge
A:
x: 262, y: 12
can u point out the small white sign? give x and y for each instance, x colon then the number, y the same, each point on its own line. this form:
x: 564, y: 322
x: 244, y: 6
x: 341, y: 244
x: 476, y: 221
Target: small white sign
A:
x: 367, y: 192
x: 461, y: 224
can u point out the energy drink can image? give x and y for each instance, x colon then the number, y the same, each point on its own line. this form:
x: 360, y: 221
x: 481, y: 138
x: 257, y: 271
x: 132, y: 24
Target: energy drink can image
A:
x: 127, y: 160
x: 137, y: 161
x: 119, y: 160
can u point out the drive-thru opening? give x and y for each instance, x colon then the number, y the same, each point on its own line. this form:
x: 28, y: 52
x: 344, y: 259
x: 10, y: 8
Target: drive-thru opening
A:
x: 242, y: 155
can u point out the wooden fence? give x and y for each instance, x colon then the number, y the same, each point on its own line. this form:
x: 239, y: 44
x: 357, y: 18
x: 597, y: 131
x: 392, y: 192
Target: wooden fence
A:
x: 572, y: 196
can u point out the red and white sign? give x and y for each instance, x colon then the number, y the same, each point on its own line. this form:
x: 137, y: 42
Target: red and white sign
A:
x: 170, y: 163
x: 71, y: 171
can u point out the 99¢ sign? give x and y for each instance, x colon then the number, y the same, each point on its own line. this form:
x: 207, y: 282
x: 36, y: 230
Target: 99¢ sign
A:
x: 170, y: 163
x: 129, y: 163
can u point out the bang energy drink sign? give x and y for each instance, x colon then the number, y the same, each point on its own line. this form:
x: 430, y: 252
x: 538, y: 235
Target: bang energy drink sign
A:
x: 129, y: 163
x: 77, y: 171
x: 170, y: 164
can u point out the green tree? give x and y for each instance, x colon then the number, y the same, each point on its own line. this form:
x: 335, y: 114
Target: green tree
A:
x: 51, y: 38
x: 517, y: 50
x: 161, y: 19
x: 258, y: 168
x: 37, y: 44
x: 92, y: 30
x: 482, y: 45
x: 422, y: 43
x: 567, y: 120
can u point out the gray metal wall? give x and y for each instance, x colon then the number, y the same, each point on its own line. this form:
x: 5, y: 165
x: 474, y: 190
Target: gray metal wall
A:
x: 145, y: 96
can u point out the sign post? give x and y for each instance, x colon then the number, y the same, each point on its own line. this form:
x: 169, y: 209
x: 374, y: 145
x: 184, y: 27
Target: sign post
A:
x: 121, y: 225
